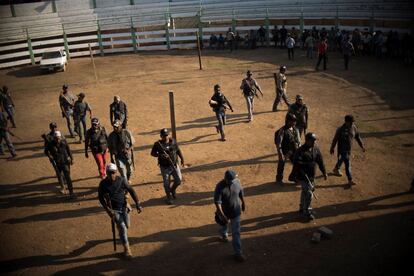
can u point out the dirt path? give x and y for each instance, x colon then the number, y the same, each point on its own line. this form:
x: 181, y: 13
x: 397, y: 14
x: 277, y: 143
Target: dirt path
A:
x: 42, y: 233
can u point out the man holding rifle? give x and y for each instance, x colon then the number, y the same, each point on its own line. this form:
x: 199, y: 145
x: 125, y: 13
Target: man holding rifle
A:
x: 220, y: 104
x: 249, y: 86
x: 5, y: 134
x: 304, y: 162
x: 112, y: 191
x: 166, y: 150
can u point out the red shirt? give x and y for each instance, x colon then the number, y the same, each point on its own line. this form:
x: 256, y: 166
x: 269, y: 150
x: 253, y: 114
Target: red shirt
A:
x: 323, y: 46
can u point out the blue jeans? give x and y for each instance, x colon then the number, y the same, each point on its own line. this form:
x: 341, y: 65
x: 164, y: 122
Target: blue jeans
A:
x: 221, y: 118
x: 10, y: 113
x: 249, y: 103
x: 122, y: 222
x: 68, y: 116
x: 235, y: 232
x: 166, y: 172
x: 124, y: 164
x: 81, y: 121
x: 6, y: 136
x: 344, y: 157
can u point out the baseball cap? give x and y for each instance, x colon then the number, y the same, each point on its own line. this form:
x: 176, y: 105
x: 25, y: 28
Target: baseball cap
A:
x: 58, y: 134
x: 117, y: 123
x: 52, y: 125
x: 164, y: 132
x: 249, y: 73
x: 95, y: 121
x: 230, y: 175
x: 81, y: 94
x: 111, y: 167
x: 299, y: 97
x: 349, y: 118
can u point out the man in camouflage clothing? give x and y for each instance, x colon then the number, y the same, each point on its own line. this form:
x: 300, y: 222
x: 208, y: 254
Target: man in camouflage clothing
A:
x: 300, y: 110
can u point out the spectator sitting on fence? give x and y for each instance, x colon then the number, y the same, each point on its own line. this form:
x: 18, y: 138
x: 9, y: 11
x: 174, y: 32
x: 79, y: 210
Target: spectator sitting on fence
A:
x: 213, y: 41
x: 220, y: 45
x: 261, y: 35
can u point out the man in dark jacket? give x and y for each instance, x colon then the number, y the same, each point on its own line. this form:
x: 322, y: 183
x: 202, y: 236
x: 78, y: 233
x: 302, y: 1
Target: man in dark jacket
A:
x: 8, y: 104
x: 304, y: 161
x: 166, y: 150
x: 118, y: 111
x: 80, y: 109
x: 227, y: 197
x: 60, y: 152
x: 219, y: 103
x: 287, y: 141
x: 300, y: 110
x: 97, y: 140
x: 343, y: 137
x: 111, y: 193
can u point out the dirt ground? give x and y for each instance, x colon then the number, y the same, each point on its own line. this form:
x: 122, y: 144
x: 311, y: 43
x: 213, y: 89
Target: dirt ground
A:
x: 43, y: 233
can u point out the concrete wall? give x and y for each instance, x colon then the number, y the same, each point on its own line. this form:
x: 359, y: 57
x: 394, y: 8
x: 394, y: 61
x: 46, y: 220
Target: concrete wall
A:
x: 33, y: 8
x: 66, y: 5
x: 5, y: 11
x: 111, y: 3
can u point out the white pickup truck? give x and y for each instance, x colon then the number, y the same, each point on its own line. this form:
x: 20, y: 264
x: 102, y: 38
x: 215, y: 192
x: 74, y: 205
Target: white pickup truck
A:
x: 53, y: 60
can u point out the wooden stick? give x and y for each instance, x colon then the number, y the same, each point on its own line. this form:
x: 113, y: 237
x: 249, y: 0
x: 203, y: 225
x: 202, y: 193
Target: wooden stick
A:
x: 172, y: 115
x: 93, y: 62
x: 199, y: 50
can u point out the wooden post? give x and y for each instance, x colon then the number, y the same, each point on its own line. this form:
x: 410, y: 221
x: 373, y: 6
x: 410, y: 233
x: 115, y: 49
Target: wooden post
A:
x: 302, y: 22
x: 54, y: 9
x: 29, y: 45
x: 100, y: 39
x: 133, y: 36
x: 172, y: 115
x: 337, y: 19
x: 233, y: 23
x: 93, y: 62
x: 199, y: 50
x: 167, y: 31
x: 94, y: 4
x: 65, y: 43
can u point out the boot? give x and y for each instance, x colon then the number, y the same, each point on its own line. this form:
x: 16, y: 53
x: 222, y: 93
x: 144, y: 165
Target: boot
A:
x: 337, y: 172
x: 127, y: 251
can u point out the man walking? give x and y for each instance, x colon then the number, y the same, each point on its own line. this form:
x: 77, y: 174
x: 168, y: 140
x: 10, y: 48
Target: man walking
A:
x: 5, y: 134
x: 48, y: 140
x: 281, y: 85
x: 166, y: 150
x: 120, y: 143
x: 112, y: 196
x: 8, y: 104
x: 97, y: 140
x: 62, y: 156
x: 287, y: 141
x: 343, y: 137
x: 304, y: 162
x: 227, y: 197
x: 118, y: 111
x: 300, y: 110
x: 322, y: 53
x: 219, y: 103
x: 249, y: 86
x: 79, y: 115
x: 66, y: 103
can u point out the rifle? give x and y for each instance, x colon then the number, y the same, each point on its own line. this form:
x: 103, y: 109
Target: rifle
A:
x: 313, y: 187
x: 172, y: 165
x: 14, y: 135
x: 132, y: 158
x: 109, y: 205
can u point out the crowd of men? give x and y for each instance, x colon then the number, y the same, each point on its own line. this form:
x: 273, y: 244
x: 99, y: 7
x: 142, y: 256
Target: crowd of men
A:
x: 293, y: 142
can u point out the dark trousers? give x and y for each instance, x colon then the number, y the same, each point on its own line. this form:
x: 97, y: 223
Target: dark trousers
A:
x: 280, y: 169
x: 279, y: 96
x: 344, y: 158
x: 291, y: 53
x: 58, y: 173
x: 64, y: 175
x: 320, y: 57
x: 221, y: 119
x: 10, y: 113
x: 346, y: 61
